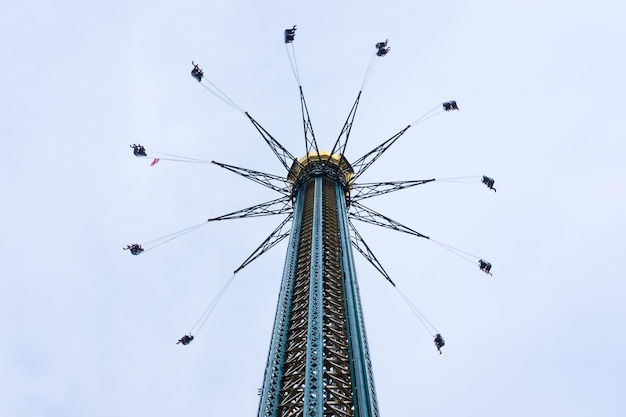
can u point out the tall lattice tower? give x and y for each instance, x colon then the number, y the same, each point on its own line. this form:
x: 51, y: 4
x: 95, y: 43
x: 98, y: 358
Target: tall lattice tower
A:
x: 318, y: 363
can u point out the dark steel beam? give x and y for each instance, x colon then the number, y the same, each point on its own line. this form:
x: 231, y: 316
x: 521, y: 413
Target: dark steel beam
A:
x: 367, y: 215
x: 279, y: 206
x: 268, y: 180
x: 372, y: 189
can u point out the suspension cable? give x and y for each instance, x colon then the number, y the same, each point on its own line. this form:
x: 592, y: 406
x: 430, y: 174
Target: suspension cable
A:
x: 459, y: 180
x: 220, y: 95
x: 177, y: 157
x: 164, y: 239
x: 429, y: 114
x: 430, y: 328
x: 293, y: 62
x: 458, y: 252
x: 199, y: 324
x: 371, y: 68
x: 185, y: 160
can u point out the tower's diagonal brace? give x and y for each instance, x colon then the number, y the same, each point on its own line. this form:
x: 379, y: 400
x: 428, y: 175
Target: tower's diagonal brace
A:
x: 364, y: 162
x: 268, y: 180
x: 279, y: 206
x: 372, y: 189
x: 357, y: 241
x: 283, y: 155
x: 272, y: 240
x: 370, y: 216
x: 340, y: 147
x: 310, y: 142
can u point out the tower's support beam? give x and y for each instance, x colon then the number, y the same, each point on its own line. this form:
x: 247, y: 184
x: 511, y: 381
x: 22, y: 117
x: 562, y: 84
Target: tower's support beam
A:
x: 272, y: 240
x: 359, y: 244
x: 283, y: 155
x: 318, y: 363
x: 309, y: 135
x: 270, y: 404
x: 372, y: 189
x: 340, y: 146
x: 365, y: 402
x: 275, y: 182
x: 279, y: 206
x: 364, y: 162
x: 367, y: 215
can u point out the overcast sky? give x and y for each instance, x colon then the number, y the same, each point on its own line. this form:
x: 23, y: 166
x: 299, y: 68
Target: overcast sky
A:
x: 89, y: 330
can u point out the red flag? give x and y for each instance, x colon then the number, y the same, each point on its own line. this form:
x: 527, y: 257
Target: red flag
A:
x: 154, y: 162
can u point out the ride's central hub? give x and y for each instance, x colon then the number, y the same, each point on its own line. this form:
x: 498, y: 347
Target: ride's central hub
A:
x: 321, y: 164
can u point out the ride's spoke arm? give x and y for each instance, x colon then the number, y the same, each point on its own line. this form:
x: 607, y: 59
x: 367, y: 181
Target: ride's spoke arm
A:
x: 272, y: 240
x: 364, y: 162
x: 279, y: 206
x: 309, y: 136
x: 339, y: 146
x: 283, y: 155
x: 372, y: 189
x: 367, y: 215
x: 357, y: 242
x: 275, y: 182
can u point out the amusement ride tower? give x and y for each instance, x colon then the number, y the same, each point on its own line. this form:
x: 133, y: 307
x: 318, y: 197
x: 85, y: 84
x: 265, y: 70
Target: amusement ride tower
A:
x: 318, y: 363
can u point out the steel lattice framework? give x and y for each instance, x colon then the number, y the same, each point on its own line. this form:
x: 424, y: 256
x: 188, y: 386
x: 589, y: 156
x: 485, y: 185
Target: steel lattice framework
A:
x: 318, y: 363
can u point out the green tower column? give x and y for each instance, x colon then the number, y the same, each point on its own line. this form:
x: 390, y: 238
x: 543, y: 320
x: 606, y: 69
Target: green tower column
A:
x: 318, y: 363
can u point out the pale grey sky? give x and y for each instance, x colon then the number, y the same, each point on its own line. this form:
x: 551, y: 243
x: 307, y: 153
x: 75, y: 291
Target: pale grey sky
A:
x: 89, y: 330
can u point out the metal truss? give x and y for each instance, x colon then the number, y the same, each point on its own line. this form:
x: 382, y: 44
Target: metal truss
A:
x: 293, y: 367
x: 310, y: 143
x: 372, y: 189
x: 357, y: 241
x: 314, y: 393
x: 271, y: 393
x: 268, y: 180
x: 283, y: 155
x: 279, y: 206
x: 272, y: 240
x: 370, y: 216
x: 364, y: 162
x: 340, y: 388
x: 319, y: 350
x: 340, y: 147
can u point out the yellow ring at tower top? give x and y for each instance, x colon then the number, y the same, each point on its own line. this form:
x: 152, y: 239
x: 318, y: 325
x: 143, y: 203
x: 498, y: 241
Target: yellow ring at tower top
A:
x: 335, y: 160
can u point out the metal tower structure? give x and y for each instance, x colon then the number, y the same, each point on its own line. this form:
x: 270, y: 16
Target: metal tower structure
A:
x: 318, y: 363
